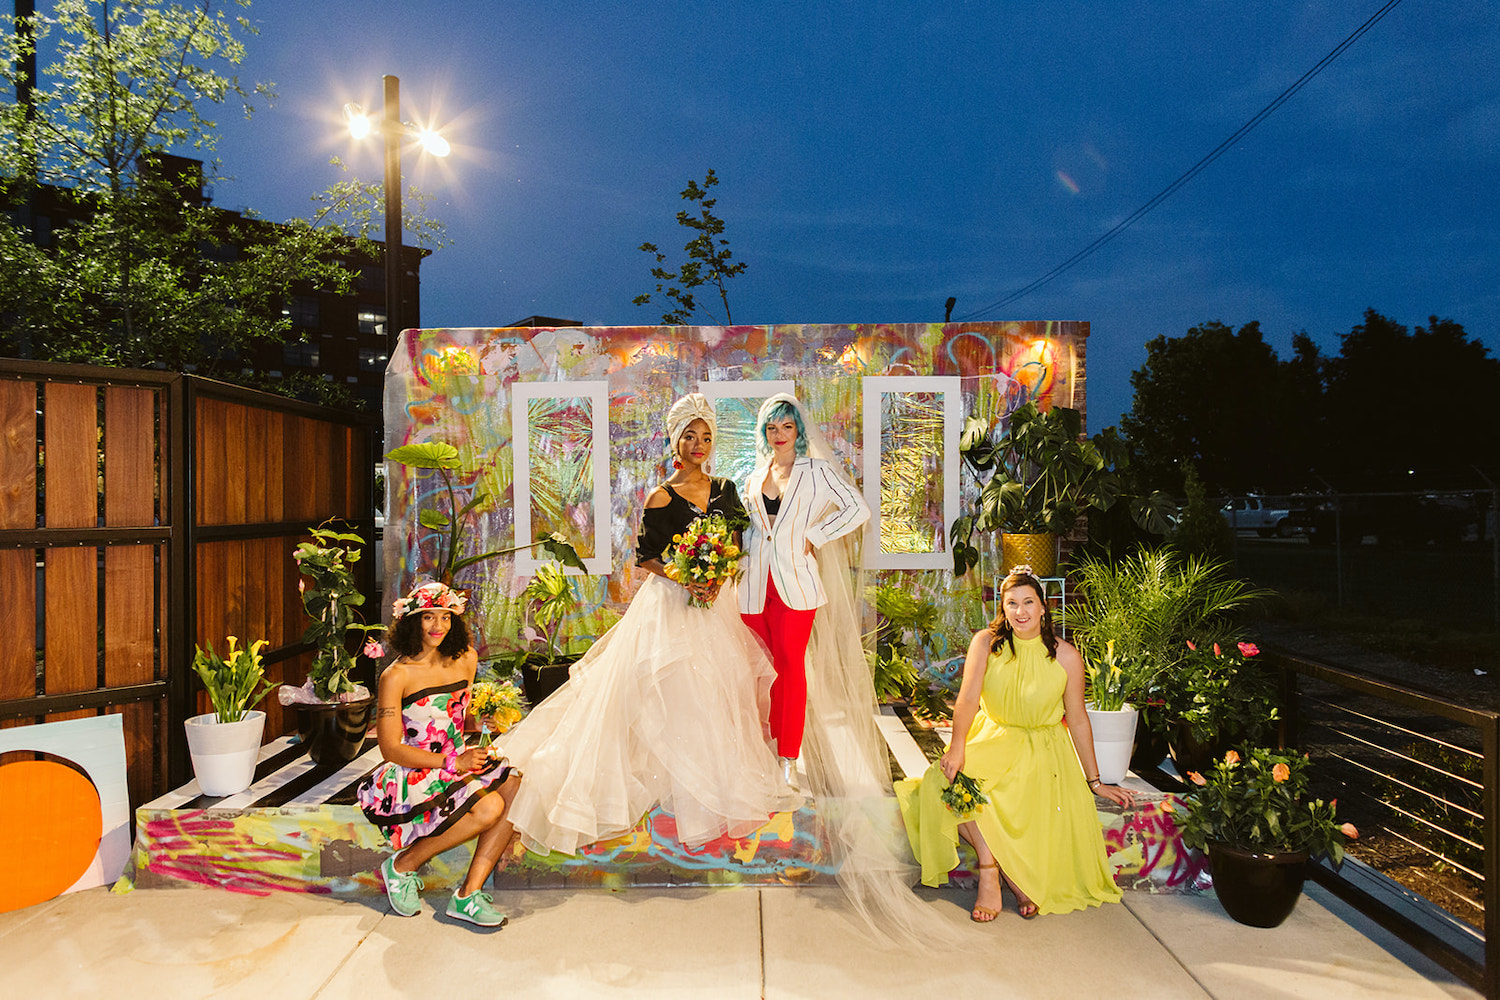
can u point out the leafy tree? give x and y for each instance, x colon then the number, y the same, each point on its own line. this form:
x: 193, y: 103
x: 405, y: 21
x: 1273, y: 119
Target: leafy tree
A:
x: 1222, y: 400
x: 137, y: 268
x: 1381, y: 433
x: 1201, y: 529
x: 708, y: 261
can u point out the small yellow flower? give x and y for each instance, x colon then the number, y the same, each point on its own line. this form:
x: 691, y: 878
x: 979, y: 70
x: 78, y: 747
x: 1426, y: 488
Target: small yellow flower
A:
x: 1280, y: 773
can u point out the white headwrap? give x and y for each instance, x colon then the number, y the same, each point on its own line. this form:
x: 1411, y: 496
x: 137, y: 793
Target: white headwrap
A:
x: 693, y: 406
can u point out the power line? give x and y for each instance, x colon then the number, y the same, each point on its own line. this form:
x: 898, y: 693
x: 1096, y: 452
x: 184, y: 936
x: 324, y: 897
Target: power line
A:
x: 1195, y: 169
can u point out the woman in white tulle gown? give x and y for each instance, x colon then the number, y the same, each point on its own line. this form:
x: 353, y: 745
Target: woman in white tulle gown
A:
x: 667, y: 707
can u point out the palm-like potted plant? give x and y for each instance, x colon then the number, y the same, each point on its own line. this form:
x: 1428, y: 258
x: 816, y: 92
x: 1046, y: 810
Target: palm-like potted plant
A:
x: 1255, y: 817
x: 1150, y: 604
x: 1037, y: 478
x: 225, y: 743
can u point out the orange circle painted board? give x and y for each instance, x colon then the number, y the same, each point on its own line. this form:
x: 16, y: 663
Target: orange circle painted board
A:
x: 50, y: 830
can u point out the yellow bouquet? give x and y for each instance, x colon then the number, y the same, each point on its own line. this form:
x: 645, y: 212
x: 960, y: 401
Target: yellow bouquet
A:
x: 963, y: 796
x: 499, y: 702
x: 705, y: 552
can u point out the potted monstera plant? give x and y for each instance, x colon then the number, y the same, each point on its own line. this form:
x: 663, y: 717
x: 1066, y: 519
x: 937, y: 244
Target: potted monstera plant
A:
x: 1037, y: 478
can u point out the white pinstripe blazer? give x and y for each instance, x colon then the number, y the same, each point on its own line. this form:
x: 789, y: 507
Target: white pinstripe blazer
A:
x: 818, y: 506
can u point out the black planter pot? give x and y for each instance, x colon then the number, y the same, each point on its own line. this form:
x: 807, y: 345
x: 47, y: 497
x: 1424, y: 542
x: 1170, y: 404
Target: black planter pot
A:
x: 538, y: 680
x: 1259, y: 890
x: 1190, y: 755
x: 1150, y: 749
x: 335, y: 733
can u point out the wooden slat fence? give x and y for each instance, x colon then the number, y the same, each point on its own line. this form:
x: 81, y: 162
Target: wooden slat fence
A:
x: 142, y: 513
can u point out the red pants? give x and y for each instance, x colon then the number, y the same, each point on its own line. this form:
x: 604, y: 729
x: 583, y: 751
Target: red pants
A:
x: 785, y: 632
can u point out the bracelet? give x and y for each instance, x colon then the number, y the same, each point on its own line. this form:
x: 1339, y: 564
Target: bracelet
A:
x: 1094, y: 781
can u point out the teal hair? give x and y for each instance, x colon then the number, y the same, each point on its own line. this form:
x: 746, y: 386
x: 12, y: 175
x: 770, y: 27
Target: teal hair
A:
x: 780, y: 411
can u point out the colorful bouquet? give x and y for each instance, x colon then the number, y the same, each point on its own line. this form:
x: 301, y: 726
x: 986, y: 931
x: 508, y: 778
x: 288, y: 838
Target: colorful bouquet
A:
x: 704, y: 553
x: 963, y: 796
x: 499, y: 702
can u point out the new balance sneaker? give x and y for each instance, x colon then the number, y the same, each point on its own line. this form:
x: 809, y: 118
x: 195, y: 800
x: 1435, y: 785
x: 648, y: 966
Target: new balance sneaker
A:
x: 478, y: 908
x: 401, y: 888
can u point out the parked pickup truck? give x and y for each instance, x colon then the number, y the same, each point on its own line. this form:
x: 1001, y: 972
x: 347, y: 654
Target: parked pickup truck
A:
x: 1253, y: 513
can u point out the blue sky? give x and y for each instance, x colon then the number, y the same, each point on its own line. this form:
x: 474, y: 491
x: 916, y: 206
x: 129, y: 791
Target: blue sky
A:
x: 878, y: 157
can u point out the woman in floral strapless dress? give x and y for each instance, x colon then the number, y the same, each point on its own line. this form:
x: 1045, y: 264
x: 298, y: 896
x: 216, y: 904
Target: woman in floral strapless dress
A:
x: 432, y: 793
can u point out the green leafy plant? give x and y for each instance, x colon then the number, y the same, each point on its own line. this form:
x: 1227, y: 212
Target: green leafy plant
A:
x: 443, y: 458
x: 1040, y: 475
x: 1257, y: 800
x: 1150, y: 603
x: 1224, y: 696
x: 235, y: 685
x: 900, y: 661
x: 1114, y: 680
x: 550, y: 597
x: 332, y: 603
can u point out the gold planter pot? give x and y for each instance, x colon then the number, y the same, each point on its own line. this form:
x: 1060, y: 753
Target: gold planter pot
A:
x: 1039, y: 551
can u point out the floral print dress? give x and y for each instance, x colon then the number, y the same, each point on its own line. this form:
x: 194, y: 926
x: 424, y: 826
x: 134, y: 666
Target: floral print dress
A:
x: 409, y: 803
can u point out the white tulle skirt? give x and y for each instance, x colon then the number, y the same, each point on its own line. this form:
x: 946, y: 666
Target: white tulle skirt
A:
x: 666, y: 709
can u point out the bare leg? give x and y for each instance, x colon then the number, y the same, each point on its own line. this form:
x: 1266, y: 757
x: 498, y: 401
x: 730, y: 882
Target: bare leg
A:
x: 486, y: 813
x: 1024, y: 905
x: 492, y: 843
x: 988, y: 873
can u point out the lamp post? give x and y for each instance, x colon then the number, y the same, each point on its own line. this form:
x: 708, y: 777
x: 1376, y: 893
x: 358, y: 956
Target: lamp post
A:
x: 392, y: 129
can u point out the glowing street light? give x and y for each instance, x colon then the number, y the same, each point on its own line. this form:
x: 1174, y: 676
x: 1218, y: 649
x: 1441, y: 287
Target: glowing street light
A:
x: 392, y: 129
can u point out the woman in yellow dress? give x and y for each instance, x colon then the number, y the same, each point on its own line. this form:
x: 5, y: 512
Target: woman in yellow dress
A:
x: 1020, y: 703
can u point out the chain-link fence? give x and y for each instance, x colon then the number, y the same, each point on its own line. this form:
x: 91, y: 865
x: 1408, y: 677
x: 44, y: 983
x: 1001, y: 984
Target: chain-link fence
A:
x: 1366, y: 550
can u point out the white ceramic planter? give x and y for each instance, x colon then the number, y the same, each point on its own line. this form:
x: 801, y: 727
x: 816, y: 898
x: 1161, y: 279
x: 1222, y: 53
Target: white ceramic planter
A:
x: 1114, y: 737
x: 224, y: 753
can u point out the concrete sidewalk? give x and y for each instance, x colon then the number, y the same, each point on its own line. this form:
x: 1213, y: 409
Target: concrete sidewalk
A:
x: 165, y: 944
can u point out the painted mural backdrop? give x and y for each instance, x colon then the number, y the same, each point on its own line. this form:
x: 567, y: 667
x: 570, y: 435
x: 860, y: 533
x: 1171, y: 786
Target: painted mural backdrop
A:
x: 564, y: 428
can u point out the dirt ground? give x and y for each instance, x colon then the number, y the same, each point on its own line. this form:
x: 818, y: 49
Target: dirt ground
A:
x: 1386, y: 837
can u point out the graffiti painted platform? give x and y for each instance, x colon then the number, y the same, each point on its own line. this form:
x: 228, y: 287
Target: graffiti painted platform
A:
x: 298, y: 829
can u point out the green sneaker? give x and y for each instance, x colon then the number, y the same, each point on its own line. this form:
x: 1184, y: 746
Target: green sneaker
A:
x: 401, y: 889
x: 478, y: 908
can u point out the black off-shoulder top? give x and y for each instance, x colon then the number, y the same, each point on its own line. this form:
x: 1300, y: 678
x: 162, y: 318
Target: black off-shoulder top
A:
x: 659, y: 524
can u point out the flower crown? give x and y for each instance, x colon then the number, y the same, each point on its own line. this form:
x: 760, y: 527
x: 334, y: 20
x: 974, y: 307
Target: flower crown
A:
x: 432, y: 596
x: 1023, y: 569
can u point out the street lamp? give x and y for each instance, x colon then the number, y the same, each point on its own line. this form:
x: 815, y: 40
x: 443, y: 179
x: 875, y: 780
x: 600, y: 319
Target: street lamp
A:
x: 393, y: 129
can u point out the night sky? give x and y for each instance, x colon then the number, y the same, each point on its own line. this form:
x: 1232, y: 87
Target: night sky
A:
x: 876, y: 158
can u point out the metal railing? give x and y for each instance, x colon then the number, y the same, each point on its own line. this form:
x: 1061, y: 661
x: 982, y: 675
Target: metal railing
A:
x: 1418, y: 774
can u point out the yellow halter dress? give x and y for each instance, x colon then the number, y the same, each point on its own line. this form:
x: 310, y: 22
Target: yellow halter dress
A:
x: 1040, y: 822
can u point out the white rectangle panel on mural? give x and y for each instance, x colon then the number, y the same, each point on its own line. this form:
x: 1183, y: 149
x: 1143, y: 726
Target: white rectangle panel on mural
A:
x: 597, y: 393
x: 947, y: 389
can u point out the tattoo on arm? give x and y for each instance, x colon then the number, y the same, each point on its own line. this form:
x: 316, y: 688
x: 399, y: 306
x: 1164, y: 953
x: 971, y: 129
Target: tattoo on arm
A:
x: 385, y: 713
